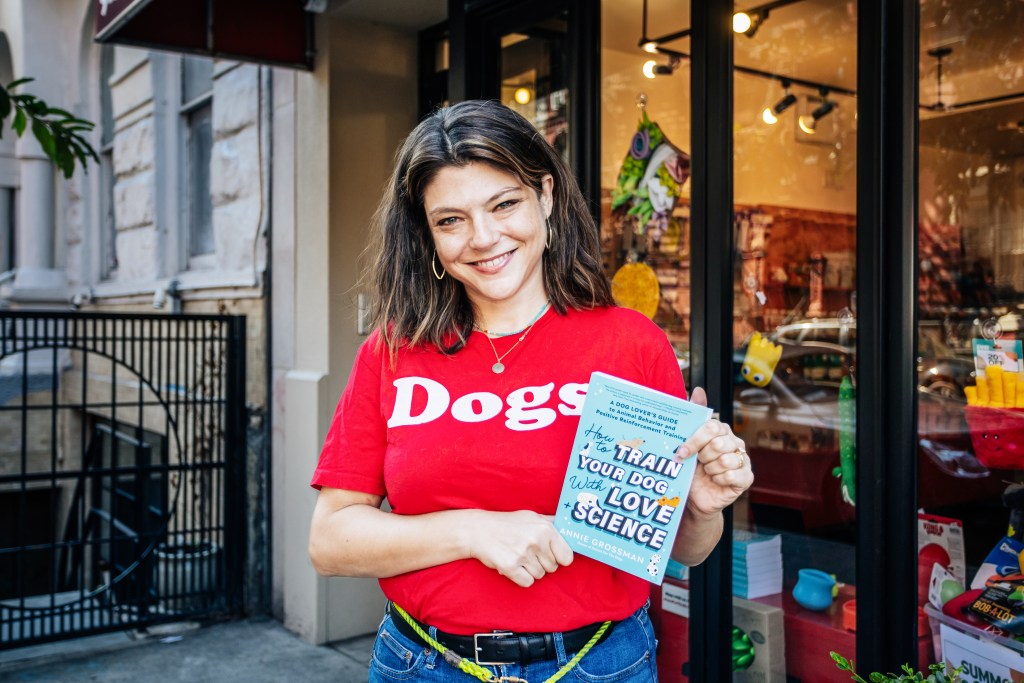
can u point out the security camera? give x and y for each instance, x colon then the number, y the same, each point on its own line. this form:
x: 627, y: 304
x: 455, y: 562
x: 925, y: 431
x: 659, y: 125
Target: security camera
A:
x: 160, y: 298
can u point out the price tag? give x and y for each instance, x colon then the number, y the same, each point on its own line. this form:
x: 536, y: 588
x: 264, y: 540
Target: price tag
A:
x: 1005, y: 353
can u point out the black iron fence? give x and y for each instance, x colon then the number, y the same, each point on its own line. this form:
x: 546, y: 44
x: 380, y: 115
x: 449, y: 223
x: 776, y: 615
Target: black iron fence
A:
x: 122, y: 471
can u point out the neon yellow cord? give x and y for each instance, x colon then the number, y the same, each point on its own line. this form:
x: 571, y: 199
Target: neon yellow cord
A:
x: 477, y: 671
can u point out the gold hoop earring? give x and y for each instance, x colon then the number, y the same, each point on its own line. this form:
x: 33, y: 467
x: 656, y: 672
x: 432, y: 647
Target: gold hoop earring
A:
x: 433, y: 267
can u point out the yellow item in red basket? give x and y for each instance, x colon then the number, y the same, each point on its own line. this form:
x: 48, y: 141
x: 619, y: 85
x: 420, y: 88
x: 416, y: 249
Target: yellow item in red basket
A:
x: 972, y: 395
x: 994, y: 375
x: 982, y: 390
x: 1019, y: 402
x: 1010, y: 389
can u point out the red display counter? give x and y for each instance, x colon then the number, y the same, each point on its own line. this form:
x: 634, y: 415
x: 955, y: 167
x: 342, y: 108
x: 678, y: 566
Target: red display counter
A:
x: 808, y: 637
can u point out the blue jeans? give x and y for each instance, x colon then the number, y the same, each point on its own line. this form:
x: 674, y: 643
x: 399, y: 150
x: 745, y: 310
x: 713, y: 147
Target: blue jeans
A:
x: 625, y: 656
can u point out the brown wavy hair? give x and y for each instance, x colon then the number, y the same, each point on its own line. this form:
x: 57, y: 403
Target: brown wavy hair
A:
x: 411, y: 306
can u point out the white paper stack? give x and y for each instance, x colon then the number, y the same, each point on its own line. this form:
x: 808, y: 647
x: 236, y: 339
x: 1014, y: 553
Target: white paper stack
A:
x: 756, y: 564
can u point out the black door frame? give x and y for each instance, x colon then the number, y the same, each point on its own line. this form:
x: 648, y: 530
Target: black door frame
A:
x: 711, y: 302
x: 887, y: 55
x: 886, y: 286
x: 476, y: 26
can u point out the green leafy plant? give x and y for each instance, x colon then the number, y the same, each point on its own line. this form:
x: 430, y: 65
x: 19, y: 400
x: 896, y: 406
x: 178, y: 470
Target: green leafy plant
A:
x: 938, y: 674
x: 58, y: 131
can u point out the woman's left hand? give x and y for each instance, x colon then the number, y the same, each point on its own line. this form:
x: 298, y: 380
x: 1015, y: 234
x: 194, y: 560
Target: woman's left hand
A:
x: 723, y: 470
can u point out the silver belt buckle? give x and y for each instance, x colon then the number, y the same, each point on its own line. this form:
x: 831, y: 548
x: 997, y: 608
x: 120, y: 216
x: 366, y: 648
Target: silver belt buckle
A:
x: 476, y: 645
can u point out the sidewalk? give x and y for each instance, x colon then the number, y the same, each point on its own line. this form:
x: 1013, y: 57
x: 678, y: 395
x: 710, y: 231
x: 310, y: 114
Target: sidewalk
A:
x: 253, y: 650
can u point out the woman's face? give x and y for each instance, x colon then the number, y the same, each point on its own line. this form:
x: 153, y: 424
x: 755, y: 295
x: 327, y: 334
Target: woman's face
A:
x: 489, y: 232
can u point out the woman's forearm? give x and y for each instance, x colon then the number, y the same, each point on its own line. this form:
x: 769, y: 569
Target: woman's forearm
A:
x: 697, y: 537
x: 362, y: 540
x: 352, y: 536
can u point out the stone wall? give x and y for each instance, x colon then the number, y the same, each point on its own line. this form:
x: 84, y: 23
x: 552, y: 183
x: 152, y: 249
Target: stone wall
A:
x: 235, y: 181
x: 135, y: 173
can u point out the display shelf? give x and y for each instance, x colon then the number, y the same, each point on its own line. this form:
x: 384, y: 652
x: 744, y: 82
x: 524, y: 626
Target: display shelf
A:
x: 809, y: 636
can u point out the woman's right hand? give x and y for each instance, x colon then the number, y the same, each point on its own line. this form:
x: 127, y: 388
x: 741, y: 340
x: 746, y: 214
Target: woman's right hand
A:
x: 522, y: 546
x: 351, y: 536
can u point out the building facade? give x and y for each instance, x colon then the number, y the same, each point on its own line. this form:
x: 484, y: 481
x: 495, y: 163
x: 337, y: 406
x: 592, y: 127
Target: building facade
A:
x: 836, y: 207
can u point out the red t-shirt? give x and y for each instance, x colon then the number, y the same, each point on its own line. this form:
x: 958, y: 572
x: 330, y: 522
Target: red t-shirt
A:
x: 444, y: 432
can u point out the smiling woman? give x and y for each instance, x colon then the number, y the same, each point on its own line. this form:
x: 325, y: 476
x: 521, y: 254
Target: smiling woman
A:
x: 475, y: 183
x: 490, y: 230
x: 482, y: 228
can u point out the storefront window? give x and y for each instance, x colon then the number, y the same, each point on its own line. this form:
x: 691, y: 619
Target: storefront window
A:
x: 534, y: 78
x: 970, y: 307
x: 794, y: 335
x: 645, y: 164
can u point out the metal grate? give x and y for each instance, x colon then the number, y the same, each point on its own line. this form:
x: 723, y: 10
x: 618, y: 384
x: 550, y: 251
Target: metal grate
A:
x: 122, y: 471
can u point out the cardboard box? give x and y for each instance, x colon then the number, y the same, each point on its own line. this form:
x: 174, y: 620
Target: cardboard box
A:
x: 764, y: 629
x: 940, y: 540
x: 760, y: 627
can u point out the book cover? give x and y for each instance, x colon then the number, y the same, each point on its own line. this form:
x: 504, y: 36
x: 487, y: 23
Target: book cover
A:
x: 624, y: 493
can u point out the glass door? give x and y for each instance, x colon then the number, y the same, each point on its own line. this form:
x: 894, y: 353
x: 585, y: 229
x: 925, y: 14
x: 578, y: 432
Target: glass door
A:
x: 794, y: 337
x: 541, y: 59
x: 970, y: 306
x: 645, y: 220
x: 534, y: 77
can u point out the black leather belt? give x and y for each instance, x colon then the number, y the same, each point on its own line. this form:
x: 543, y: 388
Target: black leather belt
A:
x: 505, y: 647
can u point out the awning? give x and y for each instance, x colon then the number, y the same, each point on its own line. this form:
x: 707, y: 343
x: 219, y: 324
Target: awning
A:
x: 278, y: 32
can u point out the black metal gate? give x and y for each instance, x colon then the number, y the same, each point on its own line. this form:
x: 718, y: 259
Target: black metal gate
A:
x: 122, y: 471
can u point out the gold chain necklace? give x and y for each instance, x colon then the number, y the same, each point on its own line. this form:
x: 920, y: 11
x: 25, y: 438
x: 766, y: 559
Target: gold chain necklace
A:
x: 498, y: 367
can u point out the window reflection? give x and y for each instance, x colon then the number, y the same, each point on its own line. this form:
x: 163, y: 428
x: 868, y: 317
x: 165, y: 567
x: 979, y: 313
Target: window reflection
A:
x: 534, y: 78
x: 795, y: 328
x: 970, y: 303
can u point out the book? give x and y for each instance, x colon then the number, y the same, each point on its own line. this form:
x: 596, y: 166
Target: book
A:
x: 756, y: 564
x: 740, y: 574
x: 624, y: 492
x: 755, y: 541
x: 752, y: 542
x: 758, y: 590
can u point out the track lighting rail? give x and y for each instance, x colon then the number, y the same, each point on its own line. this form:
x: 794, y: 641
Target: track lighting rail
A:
x: 781, y: 78
x: 669, y: 37
x: 655, y: 45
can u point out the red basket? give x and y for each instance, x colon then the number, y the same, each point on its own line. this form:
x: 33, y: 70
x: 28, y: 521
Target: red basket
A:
x: 997, y: 435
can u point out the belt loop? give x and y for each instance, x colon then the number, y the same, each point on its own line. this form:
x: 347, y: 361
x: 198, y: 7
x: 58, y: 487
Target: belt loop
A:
x: 560, y: 654
x: 525, y: 656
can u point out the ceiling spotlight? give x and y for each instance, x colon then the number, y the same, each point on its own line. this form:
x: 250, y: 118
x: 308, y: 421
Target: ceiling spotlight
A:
x: 809, y: 122
x: 747, y: 23
x: 650, y: 46
x: 770, y: 115
x: 522, y: 95
x: 652, y: 68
